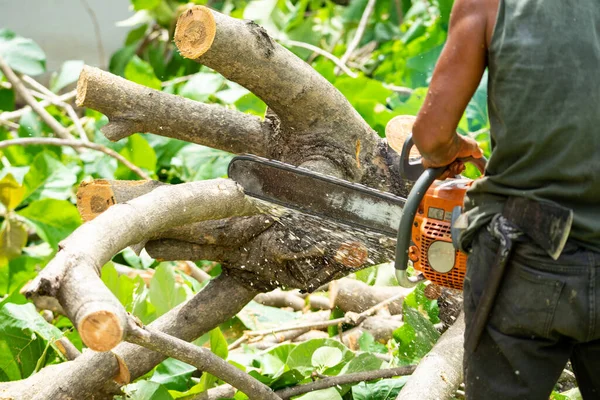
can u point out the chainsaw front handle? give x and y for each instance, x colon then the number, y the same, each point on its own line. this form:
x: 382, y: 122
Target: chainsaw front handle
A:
x: 405, y: 229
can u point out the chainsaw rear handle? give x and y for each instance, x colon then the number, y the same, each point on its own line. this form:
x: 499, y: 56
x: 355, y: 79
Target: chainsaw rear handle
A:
x: 412, y: 170
x: 424, y: 179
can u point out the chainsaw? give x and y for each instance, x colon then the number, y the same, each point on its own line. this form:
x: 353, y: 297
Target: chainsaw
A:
x: 422, y: 223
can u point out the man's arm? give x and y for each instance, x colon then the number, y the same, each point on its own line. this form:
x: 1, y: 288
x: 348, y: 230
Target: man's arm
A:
x: 455, y: 78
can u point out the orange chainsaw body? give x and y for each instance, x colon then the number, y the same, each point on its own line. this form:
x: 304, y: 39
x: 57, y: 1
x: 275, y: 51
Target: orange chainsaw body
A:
x: 431, y: 234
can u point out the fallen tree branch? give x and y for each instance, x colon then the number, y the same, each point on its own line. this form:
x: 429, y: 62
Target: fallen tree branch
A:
x: 135, y: 108
x: 344, y: 380
x: 73, y: 275
x: 440, y: 372
x: 76, y: 144
x: 18, y: 86
x: 91, y: 375
x: 201, y: 358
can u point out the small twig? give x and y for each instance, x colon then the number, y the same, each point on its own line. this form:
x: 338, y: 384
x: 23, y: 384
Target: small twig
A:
x: 47, y: 94
x: 5, y: 85
x: 360, y: 31
x: 201, y: 358
x: 76, y: 144
x: 18, y: 86
x: 344, y: 380
x: 99, y: 45
x: 399, y: 89
x: 175, y: 81
x: 12, y: 115
x: 341, y: 65
x: 67, y: 348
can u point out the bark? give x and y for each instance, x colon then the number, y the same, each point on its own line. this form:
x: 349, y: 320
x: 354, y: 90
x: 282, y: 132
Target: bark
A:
x: 91, y: 375
x: 440, y: 372
x: 134, y: 108
x: 381, y: 328
x: 73, y: 275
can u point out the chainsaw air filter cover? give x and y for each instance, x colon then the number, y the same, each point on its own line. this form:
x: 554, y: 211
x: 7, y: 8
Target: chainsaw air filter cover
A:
x: 432, y: 251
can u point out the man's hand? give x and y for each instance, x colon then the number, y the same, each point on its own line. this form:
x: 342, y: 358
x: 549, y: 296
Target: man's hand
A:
x: 461, y: 147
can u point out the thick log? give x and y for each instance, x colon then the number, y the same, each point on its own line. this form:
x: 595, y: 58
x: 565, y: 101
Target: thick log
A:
x: 134, y: 108
x: 73, y: 275
x: 440, y: 372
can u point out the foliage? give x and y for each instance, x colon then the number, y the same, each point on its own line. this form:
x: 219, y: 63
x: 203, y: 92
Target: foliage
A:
x: 38, y: 185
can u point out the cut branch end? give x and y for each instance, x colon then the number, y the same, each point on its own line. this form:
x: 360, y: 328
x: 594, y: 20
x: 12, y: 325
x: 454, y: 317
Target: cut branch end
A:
x: 195, y: 32
x: 101, y: 330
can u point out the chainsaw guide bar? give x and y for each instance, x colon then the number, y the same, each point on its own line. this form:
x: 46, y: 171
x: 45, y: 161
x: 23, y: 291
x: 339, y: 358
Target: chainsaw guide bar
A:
x: 318, y: 194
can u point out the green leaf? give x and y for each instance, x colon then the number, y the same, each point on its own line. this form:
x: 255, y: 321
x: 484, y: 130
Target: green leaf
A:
x: 13, y: 237
x: 48, y: 178
x: 121, y: 286
x: 173, y: 375
x: 325, y: 394
x: 11, y: 192
x: 139, y: 71
x: 16, y: 272
x: 7, y: 100
x: 326, y: 357
x: 367, y: 342
x: 165, y: 292
x: 251, y: 104
x: 416, y: 337
x: 145, y: 4
x: 22, y: 55
x: 218, y: 344
x: 138, y: 151
x: 120, y: 59
x: 385, y: 389
x: 68, y: 74
x: 146, y: 390
x: 202, y: 85
x: 258, y: 317
x: 363, y: 362
x: 24, y: 335
x: 428, y: 308
x: 300, y: 358
x: 52, y: 219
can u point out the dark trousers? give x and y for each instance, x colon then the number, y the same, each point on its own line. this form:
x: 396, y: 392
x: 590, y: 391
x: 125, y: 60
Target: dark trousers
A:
x: 546, y: 313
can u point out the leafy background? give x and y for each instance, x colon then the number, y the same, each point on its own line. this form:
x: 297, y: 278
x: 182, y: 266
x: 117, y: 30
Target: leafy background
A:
x: 401, y: 44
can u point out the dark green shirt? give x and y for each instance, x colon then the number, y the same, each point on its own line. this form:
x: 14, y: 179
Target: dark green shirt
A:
x: 544, y: 107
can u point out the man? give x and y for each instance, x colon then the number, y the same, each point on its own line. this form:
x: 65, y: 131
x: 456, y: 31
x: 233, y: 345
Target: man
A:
x: 544, y: 105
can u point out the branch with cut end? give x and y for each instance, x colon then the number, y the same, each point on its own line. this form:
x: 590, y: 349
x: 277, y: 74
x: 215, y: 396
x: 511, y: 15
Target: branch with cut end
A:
x: 201, y: 358
x: 76, y: 144
x: 73, y: 275
x: 93, y: 375
x: 133, y: 108
x: 344, y: 380
x: 18, y: 86
x: 440, y: 372
x: 303, y: 100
